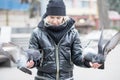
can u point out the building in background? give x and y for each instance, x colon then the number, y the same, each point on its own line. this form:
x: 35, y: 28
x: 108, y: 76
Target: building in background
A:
x: 84, y: 12
x: 75, y: 8
x: 18, y: 13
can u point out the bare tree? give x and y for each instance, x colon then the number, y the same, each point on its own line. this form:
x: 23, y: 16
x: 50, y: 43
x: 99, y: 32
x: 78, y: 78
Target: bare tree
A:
x: 103, y: 13
x: 114, y: 5
x: 34, y: 8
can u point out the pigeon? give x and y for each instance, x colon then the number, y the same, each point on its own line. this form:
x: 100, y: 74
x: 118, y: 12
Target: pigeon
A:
x: 25, y: 55
x: 103, y: 50
x: 22, y: 57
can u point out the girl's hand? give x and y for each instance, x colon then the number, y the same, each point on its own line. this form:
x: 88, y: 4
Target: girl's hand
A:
x: 30, y: 64
x: 95, y: 65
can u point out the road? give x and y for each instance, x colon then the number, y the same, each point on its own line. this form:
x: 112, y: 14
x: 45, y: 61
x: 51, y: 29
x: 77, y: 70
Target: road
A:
x: 111, y: 71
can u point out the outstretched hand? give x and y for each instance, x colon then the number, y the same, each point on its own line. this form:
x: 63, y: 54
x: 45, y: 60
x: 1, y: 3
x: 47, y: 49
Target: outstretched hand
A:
x: 95, y: 65
x: 30, y: 64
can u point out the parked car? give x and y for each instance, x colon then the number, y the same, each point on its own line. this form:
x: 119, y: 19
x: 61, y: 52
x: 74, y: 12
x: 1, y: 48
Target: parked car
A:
x: 4, y: 61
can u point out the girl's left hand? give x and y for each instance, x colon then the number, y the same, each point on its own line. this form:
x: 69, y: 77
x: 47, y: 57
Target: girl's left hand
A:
x: 95, y: 65
x: 30, y: 64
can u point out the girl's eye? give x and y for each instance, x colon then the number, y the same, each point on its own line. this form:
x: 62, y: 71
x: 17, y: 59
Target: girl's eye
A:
x: 52, y: 17
x: 59, y: 17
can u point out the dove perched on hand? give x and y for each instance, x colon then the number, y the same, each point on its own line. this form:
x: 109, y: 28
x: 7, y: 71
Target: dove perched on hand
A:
x: 23, y: 55
x: 103, y: 51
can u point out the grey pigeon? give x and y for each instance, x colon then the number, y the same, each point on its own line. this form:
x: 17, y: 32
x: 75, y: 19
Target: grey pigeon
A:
x: 26, y: 55
x: 103, y: 50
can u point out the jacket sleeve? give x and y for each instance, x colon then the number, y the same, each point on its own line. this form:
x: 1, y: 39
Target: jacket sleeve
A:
x: 33, y: 44
x: 76, y: 56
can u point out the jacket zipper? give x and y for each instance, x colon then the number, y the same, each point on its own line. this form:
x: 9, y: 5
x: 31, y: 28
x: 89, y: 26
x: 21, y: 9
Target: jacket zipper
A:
x: 57, y: 62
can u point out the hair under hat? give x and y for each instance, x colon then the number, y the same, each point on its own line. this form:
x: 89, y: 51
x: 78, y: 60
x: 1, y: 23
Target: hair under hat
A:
x: 56, y: 7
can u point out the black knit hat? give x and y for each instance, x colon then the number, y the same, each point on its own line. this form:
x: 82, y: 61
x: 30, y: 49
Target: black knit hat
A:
x: 56, y: 7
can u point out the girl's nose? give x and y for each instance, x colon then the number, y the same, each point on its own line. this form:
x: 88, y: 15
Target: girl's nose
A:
x: 55, y: 22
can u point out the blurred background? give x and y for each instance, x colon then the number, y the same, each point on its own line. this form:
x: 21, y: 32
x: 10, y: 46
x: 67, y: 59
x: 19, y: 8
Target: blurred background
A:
x: 19, y: 17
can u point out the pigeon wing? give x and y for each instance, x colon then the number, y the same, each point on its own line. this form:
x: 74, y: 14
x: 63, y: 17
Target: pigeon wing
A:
x: 100, y: 49
x: 111, y: 44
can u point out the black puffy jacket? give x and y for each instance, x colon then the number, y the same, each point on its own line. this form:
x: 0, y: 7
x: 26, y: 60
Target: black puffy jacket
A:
x: 57, y: 61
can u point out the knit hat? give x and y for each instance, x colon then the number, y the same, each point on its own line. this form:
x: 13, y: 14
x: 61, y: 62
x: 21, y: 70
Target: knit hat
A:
x: 56, y: 7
